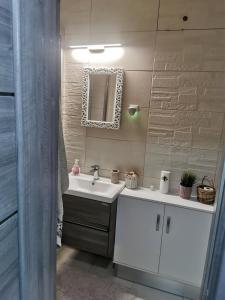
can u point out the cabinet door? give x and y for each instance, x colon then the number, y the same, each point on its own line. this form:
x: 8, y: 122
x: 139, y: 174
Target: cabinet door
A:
x: 138, y: 234
x: 184, y: 244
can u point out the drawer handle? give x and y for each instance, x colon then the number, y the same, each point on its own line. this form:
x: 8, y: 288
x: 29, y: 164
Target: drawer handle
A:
x: 157, y: 222
x: 168, y: 222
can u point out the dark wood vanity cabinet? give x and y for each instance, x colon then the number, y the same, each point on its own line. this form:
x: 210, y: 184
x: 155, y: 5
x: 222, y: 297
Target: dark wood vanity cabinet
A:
x: 89, y: 224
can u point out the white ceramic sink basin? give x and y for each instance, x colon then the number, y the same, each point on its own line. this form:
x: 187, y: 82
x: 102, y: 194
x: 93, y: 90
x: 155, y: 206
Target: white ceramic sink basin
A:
x: 102, y: 189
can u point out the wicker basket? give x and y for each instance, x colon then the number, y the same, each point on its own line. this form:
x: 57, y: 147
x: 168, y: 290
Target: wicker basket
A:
x: 206, y: 193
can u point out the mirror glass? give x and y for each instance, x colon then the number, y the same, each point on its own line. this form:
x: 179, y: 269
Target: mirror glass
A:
x: 102, y: 97
x: 102, y: 90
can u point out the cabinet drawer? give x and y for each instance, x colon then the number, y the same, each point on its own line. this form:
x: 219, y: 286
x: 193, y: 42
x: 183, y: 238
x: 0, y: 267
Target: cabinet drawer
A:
x: 85, y: 238
x: 9, y: 273
x: 86, y: 212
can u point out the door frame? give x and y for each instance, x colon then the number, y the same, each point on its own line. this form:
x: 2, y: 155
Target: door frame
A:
x: 214, y: 279
x: 36, y: 69
x: 36, y: 48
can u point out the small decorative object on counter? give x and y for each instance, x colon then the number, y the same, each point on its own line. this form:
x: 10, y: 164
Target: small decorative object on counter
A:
x: 76, y: 167
x: 187, y: 181
x: 206, y: 193
x: 115, y: 176
x: 164, y: 182
x: 152, y: 188
x: 131, y: 180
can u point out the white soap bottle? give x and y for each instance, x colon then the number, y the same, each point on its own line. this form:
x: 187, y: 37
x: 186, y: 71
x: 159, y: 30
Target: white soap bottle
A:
x: 164, y: 182
x: 76, y: 167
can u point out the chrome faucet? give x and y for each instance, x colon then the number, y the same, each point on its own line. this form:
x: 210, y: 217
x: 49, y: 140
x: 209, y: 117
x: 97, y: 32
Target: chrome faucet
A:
x: 94, y: 170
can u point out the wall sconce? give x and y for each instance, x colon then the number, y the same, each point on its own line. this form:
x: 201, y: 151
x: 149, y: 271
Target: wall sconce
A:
x: 95, y: 48
x: 104, y: 53
x: 133, y: 109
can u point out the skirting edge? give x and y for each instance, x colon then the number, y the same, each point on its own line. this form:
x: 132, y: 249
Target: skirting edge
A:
x: 158, y: 282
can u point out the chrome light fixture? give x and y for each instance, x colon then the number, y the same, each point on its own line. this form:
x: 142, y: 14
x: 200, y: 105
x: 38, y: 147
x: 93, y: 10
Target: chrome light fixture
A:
x: 95, y: 48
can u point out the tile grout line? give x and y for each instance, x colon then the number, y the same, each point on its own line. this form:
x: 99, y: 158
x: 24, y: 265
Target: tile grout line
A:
x: 150, y: 71
x: 157, y: 26
x: 160, y: 30
x: 146, y: 135
x: 190, y: 29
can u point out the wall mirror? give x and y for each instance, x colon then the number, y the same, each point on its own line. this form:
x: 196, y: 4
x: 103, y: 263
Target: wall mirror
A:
x: 102, y: 97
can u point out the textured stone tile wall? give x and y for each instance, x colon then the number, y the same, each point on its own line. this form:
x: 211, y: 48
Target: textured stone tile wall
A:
x: 175, y: 71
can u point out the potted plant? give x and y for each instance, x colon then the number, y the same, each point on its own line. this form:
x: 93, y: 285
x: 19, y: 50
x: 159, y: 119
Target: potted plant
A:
x: 187, y: 181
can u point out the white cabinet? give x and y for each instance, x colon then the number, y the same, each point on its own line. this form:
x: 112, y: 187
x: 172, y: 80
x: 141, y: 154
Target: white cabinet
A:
x: 184, y: 244
x: 138, y: 234
x: 159, y: 238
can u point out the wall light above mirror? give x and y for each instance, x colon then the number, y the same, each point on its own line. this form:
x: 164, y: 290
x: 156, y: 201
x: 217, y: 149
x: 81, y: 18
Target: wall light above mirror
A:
x: 101, y: 53
x: 102, y: 97
x: 95, y: 47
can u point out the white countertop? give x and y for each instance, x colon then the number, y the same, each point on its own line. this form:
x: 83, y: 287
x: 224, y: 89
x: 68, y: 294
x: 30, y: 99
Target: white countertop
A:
x: 156, y: 196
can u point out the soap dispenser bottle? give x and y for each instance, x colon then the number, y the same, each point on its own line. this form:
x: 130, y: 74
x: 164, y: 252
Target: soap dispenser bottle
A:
x: 76, y: 167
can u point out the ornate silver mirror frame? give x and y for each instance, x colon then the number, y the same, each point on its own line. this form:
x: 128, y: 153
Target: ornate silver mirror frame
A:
x: 116, y: 113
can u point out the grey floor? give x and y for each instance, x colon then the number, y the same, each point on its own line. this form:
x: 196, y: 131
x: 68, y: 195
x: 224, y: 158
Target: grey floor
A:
x: 83, y: 276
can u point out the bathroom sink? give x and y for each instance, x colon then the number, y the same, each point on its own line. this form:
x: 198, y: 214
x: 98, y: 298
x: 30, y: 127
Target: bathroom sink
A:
x: 102, y: 189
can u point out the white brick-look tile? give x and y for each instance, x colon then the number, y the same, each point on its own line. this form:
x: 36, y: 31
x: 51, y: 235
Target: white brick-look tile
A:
x: 136, y: 53
x: 137, y: 50
x: 202, y: 14
x: 75, y: 16
x: 176, y: 159
x: 115, y: 154
x: 190, y: 91
x: 177, y: 77
x: 190, y: 50
x: 191, y: 130
x: 72, y: 72
x: 137, y: 88
x: 126, y: 15
x: 130, y: 130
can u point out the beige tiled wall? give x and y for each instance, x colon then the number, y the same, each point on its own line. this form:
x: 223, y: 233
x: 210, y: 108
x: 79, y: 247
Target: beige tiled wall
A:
x: 176, y: 76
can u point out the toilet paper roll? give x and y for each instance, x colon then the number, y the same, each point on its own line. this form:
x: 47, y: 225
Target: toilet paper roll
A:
x: 209, y: 189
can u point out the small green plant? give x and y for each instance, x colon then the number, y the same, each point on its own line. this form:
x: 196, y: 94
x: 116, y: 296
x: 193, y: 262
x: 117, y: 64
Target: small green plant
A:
x: 188, y: 179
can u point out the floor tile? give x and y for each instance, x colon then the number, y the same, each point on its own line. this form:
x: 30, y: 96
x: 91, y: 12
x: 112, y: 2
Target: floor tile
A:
x: 83, y: 276
x: 73, y: 257
x: 59, y: 295
x: 102, y: 267
x: 146, y: 293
